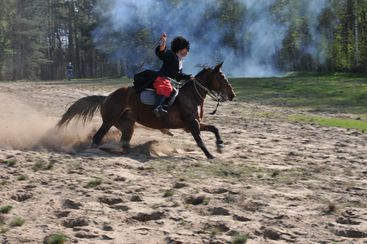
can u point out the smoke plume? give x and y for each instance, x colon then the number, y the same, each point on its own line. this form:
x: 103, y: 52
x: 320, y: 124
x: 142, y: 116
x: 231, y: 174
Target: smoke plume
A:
x: 247, y: 46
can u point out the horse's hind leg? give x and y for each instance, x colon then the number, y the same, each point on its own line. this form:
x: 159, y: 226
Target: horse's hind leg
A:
x: 213, y: 129
x: 97, y: 138
x: 126, y: 126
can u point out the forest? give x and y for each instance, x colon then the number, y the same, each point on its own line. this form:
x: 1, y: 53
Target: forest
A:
x: 39, y: 38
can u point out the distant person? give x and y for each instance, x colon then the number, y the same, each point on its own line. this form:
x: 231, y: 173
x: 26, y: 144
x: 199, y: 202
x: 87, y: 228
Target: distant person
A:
x: 70, y: 70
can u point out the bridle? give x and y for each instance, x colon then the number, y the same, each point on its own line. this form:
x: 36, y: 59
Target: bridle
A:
x: 214, y: 95
x: 198, y: 83
x: 217, y: 97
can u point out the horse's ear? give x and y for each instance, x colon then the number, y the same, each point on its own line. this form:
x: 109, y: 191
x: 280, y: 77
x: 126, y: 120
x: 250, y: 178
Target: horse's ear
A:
x: 218, y: 66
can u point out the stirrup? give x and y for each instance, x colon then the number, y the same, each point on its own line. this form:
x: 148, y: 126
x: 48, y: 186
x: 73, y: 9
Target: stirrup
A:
x: 160, y: 111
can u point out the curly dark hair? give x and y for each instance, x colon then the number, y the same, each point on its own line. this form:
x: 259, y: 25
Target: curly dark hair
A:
x: 179, y: 43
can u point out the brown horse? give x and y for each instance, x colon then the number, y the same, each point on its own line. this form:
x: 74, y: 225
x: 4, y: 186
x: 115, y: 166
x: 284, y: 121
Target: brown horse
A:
x: 123, y: 109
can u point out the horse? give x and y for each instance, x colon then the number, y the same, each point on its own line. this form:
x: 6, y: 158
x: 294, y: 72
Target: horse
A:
x: 122, y: 109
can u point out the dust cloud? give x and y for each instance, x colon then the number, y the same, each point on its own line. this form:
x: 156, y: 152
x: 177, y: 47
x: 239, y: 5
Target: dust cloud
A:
x: 22, y: 127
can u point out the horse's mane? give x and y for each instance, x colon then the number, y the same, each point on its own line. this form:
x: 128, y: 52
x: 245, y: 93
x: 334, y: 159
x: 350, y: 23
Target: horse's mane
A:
x: 205, y: 68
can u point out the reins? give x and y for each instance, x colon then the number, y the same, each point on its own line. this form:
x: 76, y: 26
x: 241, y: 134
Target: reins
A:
x: 197, y: 83
x: 215, y: 96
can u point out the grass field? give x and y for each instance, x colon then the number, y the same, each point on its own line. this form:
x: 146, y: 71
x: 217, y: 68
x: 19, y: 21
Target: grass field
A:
x: 320, y: 93
x: 339, y: 93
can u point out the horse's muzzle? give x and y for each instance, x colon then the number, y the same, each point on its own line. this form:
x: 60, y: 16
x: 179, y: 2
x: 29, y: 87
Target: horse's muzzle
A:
x: 231, y: 96
x: 223, y: 98
x: 226, y: 97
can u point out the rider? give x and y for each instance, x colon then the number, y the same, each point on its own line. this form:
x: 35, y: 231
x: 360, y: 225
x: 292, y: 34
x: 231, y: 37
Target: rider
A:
x: 171, y: 68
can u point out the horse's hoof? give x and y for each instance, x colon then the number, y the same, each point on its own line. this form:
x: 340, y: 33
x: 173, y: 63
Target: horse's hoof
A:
x: 125, y: 146
x: 210, y: 157
x: 94, y: 145
x: 220, y: 148
x: 126, y: 149
x: 167, y: 132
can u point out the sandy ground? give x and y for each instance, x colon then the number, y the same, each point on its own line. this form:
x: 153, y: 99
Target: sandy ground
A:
x: 275, y: 182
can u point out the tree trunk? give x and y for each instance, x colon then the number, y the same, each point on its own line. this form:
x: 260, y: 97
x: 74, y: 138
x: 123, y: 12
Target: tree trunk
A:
x: 356, y: 34
x: 71, y: 57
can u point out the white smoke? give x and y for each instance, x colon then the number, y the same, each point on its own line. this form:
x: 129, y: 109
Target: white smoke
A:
x: 258, y: 36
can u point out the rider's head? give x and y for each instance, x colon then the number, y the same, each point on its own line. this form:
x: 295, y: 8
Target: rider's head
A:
x: 180, y: 46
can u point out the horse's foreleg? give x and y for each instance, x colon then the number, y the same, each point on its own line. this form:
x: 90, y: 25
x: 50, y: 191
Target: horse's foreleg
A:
x: 213, y: 129
x: 195, y: 131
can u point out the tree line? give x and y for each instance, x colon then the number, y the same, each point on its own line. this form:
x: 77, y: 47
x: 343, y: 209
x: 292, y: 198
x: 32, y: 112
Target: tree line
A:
x: 38, y: 38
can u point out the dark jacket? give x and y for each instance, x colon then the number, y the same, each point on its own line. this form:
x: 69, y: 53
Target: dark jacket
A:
x: 170, y: 68
x: 70, y: 67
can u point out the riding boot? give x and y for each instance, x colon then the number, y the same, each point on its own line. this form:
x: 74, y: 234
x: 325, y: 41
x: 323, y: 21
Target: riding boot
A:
x: 160, y: 109
x: 171, y: 98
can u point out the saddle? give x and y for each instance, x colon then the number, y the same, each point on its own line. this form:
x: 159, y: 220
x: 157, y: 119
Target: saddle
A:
x: 149, y: 97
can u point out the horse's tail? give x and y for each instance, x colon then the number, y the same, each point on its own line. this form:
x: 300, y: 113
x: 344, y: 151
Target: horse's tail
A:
x: 84, y: 109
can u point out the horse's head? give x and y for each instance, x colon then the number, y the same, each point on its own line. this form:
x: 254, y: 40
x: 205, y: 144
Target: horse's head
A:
x: 219, y: 83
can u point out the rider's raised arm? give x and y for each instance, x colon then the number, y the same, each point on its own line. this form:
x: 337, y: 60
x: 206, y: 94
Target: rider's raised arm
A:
x: 160, y: 54
x: 160, y: 51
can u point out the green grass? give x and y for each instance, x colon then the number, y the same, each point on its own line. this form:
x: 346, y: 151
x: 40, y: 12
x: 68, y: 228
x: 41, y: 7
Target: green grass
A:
x: 332, y: 122
x: 93, y: 183
x: 3, y: 183
x: 9, y: 162
x: 346, y: 93
x: 22, y: 177
x: 201, y: 171
x: 239, y: 239
x: 5, y: 209
x: 232, y: 172
x: 3, y: 228
x: 169, y: 193
x: 18, y: 221
x: 41, y: 165
x: 57, y: 238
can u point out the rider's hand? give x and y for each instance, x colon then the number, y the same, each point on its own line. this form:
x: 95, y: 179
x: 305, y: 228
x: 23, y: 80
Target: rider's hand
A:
x: 164, y: 37
x: 162, y: 42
